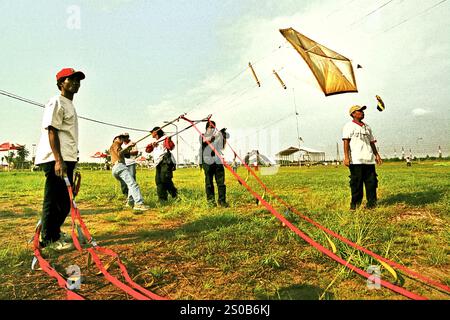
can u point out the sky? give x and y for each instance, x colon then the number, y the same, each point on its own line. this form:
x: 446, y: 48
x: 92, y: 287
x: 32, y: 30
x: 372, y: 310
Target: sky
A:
x: 147, y: 62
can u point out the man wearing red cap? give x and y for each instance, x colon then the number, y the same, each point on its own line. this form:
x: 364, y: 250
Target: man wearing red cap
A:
x: 57, y: 154
x: 361, y: 155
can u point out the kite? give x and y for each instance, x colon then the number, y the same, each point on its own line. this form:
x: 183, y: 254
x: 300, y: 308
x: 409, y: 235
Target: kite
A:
x: 333, y: 71
x: 380, y: 103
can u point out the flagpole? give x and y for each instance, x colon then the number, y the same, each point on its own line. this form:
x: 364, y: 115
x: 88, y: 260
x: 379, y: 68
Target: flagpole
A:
x: 298, y: 132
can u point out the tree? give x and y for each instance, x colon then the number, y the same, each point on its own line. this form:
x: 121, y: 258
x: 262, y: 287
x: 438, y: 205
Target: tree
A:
x: 10, y: 157
x: 22, y: 154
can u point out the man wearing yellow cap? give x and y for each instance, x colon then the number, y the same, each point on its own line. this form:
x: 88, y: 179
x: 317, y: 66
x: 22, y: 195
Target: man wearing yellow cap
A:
x: 361, y: 155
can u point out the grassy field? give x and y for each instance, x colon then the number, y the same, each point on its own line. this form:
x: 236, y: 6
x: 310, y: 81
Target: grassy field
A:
x: 185, y: 250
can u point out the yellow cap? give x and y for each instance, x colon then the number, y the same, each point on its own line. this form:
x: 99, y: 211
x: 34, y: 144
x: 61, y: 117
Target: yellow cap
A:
x: 356, y: 108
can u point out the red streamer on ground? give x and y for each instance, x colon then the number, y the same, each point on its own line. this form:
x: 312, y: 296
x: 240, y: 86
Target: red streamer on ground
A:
x: 132, y: 286
x: 343, y: 239
x: 144, y: 294
x: 310, y: 241
x: 45, y: 265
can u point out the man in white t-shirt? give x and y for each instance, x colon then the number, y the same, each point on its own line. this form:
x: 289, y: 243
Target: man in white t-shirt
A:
x: 57, y: 154
x: 165, y: 164
x: 212, y: 165
x: 361, y: 155
x: 130, y: 162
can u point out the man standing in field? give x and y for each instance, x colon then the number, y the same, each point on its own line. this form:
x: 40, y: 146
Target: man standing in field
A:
x: 361, y: 155
x: 130, y: 162
x: 57, y: 155
x: 121, y: 172
x: 212, y: 165
x: 165, y: 165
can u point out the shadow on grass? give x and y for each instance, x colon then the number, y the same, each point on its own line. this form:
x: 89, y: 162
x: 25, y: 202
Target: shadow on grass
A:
x: 89, y: 212
x: 191, y: 228
x: 26, y: 213
x: 414, y: 199
x: 209, y: 223
x: 297, y: 292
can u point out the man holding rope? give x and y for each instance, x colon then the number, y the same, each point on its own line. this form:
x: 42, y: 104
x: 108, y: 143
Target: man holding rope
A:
x: 121, y: 172
x: 57, y: 155
x: 130, y: 162
x: 165, y: 164
x: 212, y: 166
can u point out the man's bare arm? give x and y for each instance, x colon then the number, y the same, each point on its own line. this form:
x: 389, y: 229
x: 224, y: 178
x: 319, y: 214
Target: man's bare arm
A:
x: 378, y: 159
x: 60, y: 166
x: 346, y: 152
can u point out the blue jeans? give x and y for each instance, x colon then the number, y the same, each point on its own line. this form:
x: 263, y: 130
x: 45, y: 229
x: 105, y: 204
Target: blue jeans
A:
x: 123, y: 185
x: 121, y: 173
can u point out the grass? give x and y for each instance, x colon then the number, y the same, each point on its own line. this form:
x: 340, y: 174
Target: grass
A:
x: 185, y: 250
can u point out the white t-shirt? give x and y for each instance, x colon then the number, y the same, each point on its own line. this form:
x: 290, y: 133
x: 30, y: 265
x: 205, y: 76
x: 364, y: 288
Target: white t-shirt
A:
x: 59, y: 113
x: 132, y: 159
x: 360, y: 138
x: 207, y: 155
x: 159, y: 151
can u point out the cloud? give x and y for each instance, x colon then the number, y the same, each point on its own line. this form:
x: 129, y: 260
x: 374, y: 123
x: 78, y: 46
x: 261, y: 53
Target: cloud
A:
x: 244, y: 108
x: 419, y: 112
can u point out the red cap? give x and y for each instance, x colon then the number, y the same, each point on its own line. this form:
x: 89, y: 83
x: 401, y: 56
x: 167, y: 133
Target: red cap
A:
x: 67, y: 72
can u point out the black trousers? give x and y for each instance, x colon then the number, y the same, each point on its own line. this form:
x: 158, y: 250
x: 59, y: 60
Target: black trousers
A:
x: 363, y: 175
x: 56, y: 205
x: 164, y: 183
x: 216, y: 171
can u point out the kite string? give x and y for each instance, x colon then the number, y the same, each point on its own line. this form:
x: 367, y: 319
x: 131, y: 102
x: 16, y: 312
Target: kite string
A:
x: 20, y: 98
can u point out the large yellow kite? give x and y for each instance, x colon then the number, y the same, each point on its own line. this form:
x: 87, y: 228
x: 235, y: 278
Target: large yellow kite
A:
x: 333, y: 71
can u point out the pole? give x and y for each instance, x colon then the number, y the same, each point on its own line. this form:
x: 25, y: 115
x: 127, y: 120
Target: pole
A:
x: 298, y: 132
x: 166, y: 124
x: 417, y: 142
x: 33, y: 155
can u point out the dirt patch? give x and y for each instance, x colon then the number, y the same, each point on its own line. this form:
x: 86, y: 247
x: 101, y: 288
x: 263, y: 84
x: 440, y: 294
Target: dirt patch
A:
x: 411, y: 214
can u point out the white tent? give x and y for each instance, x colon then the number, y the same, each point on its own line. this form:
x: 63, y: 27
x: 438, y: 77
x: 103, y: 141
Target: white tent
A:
x: 288, y: 156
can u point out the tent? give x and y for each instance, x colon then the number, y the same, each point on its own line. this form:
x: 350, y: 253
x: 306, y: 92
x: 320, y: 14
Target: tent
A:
x: 286, y: 156
x: 6, y: 146
x: 99, y: 154
x: 142, y: 160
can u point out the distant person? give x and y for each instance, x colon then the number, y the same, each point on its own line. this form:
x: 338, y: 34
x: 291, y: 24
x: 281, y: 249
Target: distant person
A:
x: 408, y: 161
x: 247, y: 158
x: 130, y: 162
x: 165, y: 165
x: 234, y: 165
x: 57, y: 155
x: 361, y: 155
x: 212, y: 165
x: 257, y: 161
x: 121, y: 172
